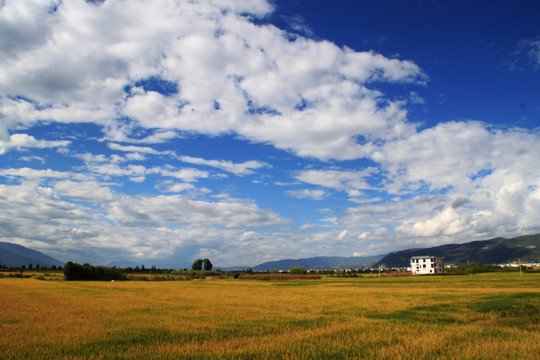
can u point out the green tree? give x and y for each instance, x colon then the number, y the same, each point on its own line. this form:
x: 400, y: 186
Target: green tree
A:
x: 197, y: 264
x: 207, y: 264
x: 298, y: 270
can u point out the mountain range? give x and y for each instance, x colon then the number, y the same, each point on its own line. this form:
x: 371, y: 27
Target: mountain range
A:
x: 321, y: 262
x: 494, y: 251
x: 13, y: 255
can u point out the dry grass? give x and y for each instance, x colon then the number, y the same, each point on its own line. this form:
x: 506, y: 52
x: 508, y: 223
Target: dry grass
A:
x: 486, y: 316
x: 279, y: 277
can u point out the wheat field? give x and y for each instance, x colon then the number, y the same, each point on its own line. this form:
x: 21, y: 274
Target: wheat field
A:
x: 482, y: 316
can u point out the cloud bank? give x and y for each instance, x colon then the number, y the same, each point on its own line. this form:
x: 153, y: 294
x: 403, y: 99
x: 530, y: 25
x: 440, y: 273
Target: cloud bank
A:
x: 148, y: 74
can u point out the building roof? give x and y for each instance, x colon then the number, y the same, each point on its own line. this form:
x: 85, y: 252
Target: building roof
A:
x: 427, y: 257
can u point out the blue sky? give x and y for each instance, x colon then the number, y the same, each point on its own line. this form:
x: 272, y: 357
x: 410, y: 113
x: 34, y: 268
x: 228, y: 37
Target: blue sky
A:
x: 159, y: 132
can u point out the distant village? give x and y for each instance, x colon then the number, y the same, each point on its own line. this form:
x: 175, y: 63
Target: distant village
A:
x: 426, y: 265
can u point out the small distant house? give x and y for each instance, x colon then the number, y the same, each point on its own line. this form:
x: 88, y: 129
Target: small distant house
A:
x: 421, y: 265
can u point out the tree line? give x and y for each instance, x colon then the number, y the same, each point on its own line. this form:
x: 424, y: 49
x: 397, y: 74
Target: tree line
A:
x: 31, y: 267
x: 74, y: 271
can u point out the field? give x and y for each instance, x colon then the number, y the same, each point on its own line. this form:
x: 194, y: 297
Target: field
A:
x: 482, y: 316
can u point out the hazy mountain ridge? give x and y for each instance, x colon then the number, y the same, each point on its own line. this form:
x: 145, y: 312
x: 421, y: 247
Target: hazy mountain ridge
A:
x: 321, y: 262
x: 13, y: 255
x: 494, y: 251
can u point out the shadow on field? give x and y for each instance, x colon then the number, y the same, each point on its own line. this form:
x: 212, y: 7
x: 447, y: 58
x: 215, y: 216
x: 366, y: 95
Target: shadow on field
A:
x: 521, y: 309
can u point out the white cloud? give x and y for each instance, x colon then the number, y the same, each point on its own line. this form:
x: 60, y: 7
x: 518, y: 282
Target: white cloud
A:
x: 158, y: 137
x: 162, y: 210
x: 169, y: 186
x: 239, y: 169
x: 314, y: 100
x: 29, y: 173
x: 185, y: 174
x: 89, y: 191
x: 307, y: 194
x: 39, y: 206
x: 22, y: 141
x: 342, y: 235
x: 137, y: 149
x: 342, y: 180
x: 247, y: 235
x: 103, y: 166
x: 455, y: 155
x: 447, y: 222
x: 83, y: 63
x: 112, y: 169
x: 147, y: 227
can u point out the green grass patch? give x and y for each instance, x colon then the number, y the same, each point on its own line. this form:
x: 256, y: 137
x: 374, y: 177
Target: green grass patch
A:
x: 517, y: 309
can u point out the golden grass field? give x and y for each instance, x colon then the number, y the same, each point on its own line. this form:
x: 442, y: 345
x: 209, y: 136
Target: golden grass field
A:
x: 482, y: 316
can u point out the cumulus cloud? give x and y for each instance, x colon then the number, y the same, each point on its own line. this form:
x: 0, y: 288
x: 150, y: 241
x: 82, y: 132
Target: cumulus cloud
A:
x: 89, y: 191
x: 456, y: 155
x: 498, y: 203
x: 162, y: 210
x: 216, y: 57
x: 39, y: 206
x: 307, y: 194
x: 136, y: 224
x: 149, y: 72
x: 21, y: 141
x: 447, y: 222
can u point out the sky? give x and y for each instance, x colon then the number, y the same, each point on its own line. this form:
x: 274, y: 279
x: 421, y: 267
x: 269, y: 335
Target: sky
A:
x: 157, y: 132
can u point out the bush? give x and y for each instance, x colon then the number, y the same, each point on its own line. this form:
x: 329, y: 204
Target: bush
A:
x: 74, y: 271
x: 298, y: 270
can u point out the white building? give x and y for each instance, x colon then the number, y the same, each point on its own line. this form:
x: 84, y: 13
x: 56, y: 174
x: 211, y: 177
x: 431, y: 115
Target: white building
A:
x: 427, y: 265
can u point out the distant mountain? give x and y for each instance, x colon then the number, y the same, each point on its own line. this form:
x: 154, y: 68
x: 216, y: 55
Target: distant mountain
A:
x: 494, y: 251
x: 13, y: 255
x: 321, y: 262
x: 233, y: 268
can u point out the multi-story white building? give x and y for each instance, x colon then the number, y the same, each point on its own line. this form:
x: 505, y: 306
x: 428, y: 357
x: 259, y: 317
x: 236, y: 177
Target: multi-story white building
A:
x: 427, y: 265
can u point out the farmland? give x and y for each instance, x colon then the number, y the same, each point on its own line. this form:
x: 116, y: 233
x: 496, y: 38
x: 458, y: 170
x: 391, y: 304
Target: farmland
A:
x: 482, y: 316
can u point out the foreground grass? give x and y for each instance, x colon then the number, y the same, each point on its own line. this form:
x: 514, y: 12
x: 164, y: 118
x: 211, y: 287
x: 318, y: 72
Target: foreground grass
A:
x: 484, y: 316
